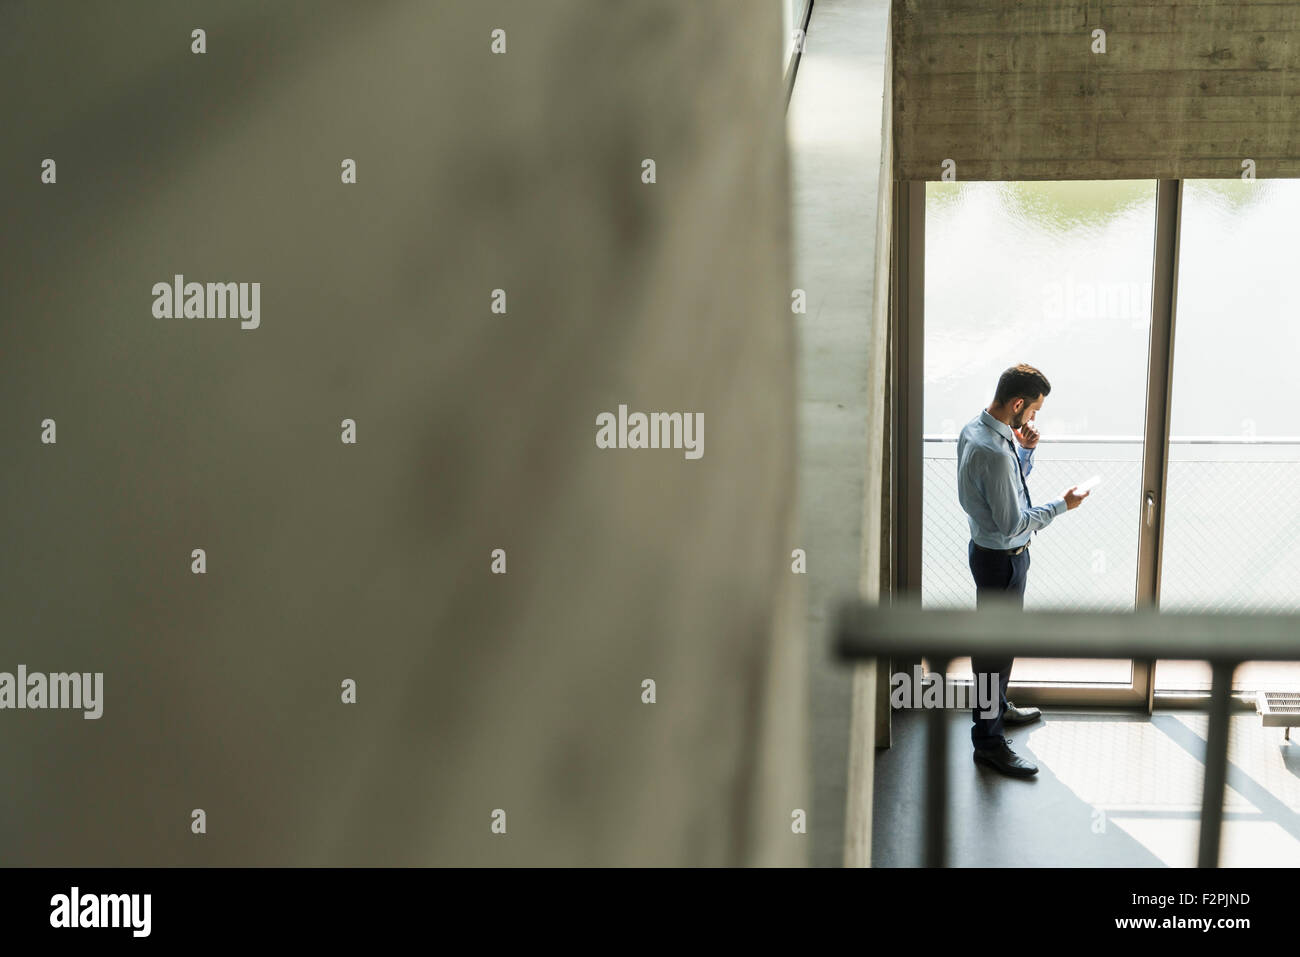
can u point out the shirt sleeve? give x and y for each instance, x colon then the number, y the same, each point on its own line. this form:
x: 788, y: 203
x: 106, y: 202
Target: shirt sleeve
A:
x: 1000, y: 484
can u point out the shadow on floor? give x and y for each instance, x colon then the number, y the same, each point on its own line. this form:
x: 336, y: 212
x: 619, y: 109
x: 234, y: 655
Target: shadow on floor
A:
x: 1113, y: 790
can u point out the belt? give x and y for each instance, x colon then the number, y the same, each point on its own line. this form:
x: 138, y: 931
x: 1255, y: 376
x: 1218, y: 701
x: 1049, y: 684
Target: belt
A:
x: 1002, y: 551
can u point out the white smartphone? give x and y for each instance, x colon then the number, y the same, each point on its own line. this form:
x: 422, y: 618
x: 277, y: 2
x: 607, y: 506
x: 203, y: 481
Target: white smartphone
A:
x: 1089, y: 485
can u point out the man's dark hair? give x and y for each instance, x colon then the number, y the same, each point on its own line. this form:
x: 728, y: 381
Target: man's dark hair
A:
x: 1021, y: 382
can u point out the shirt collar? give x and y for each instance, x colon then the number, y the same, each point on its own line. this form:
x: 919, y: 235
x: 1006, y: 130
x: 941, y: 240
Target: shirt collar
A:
x: 1001, y: 428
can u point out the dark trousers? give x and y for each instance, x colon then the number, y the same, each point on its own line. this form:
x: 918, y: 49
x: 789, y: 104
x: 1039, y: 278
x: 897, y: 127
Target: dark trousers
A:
x: 1003, y: 576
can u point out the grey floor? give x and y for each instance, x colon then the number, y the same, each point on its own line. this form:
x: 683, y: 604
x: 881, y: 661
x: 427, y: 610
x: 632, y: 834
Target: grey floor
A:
x: 1113, y: 790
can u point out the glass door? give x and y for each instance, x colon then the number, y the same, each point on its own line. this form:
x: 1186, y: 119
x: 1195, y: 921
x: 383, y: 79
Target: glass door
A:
x: 1232, y: 516
x: 1171, y: 366
x: 1059, y: 275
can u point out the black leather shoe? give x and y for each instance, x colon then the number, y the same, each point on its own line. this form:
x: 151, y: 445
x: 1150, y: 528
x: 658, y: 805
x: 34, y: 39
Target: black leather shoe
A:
x: 1014, y: 715
x: 1003, y: 759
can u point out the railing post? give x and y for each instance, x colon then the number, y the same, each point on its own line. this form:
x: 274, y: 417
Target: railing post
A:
x: 1216, y: 764
x: 936, y: 777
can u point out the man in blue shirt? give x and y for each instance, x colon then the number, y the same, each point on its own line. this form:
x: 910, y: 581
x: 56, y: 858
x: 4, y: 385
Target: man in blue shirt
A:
x: 991, y: 486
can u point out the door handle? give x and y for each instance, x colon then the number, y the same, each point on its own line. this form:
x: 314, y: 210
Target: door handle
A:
x: 1151, y: 508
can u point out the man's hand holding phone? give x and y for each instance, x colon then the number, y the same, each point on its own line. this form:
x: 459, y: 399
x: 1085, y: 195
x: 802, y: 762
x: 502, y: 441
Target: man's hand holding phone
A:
x: 1081, y: 491
x: 1073, y: 497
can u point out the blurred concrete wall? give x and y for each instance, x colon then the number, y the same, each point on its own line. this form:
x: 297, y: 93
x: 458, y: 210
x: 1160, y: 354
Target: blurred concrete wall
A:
x: 475, y: 431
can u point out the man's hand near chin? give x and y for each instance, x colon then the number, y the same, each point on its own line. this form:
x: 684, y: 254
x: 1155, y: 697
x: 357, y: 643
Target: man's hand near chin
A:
x: 1027, y: 435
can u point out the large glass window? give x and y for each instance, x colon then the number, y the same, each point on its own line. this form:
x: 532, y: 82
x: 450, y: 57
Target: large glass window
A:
x: 1232, y: 519
x: 1057, y: 275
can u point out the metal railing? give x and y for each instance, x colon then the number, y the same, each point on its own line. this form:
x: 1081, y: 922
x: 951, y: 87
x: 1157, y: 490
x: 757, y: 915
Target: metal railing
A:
x: 1225, y: 641
x: 1228, y: 497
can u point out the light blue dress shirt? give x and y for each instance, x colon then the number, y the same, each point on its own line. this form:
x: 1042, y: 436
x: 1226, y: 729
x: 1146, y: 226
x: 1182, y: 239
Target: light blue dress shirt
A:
x: 991, y: 489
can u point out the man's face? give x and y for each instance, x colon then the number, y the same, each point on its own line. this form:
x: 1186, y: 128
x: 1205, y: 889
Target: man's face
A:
x: 1027, y: 411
